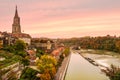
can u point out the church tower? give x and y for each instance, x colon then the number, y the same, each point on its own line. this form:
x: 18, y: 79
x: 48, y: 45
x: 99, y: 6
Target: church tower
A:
x: 16, y: 28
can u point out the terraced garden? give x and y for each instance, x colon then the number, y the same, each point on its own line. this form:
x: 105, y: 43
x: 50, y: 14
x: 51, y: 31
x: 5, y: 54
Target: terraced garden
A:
x: 10, y: 58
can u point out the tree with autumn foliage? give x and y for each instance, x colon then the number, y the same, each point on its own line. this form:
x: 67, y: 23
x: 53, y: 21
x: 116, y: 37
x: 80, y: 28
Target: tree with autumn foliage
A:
x: 110, y: 43
x: 47, y: 66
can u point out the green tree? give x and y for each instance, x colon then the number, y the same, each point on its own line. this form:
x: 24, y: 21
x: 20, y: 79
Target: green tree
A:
x: 113, y: 72
x: 66, y: 51
x: 118, y: 45
x: 9, y: 48
x: 39, y: 52
x: 116, y: 76
x: 25, y: 61
x: 20, y: 45
x: 28, y: 74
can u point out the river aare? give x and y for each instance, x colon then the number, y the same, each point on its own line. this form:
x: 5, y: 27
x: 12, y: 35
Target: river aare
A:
x: 81, y: 69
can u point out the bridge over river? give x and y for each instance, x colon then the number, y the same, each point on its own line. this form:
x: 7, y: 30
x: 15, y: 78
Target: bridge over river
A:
x: 81, y: 69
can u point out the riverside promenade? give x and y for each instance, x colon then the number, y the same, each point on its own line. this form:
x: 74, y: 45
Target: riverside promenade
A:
x: 63, y: 69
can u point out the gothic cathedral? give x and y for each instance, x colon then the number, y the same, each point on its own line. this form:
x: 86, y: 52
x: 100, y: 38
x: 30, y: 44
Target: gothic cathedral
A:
x: 16, y: 28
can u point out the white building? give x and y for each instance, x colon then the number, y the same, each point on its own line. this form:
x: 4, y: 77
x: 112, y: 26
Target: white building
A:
x: 24, y: 37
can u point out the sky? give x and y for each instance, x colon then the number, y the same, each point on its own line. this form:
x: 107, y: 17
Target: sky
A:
x: 62, y: 18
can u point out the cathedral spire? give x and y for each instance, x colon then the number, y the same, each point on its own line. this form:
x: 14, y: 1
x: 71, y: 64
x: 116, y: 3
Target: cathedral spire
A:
x: 16, y: 28
x: 16, y: 12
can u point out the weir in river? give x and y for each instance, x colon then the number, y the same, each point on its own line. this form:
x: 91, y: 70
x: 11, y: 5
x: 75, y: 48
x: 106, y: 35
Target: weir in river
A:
x: 81, y: 69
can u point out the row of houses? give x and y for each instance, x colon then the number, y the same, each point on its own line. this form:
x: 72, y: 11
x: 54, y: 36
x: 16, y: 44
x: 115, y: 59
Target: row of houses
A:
x: 44, y: 44
x: 56, y: 52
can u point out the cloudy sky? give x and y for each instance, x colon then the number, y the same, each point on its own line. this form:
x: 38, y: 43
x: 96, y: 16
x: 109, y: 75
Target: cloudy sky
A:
x: 62, y: 18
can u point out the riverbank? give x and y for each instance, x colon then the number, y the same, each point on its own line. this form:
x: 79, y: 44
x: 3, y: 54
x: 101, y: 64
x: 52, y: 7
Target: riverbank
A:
x: 63, y: 68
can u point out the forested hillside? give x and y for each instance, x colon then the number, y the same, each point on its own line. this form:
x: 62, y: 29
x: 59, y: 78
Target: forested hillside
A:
x: 111, y: 43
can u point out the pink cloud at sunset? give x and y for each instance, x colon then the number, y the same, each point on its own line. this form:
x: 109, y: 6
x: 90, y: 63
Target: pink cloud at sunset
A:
x: 63, y: 18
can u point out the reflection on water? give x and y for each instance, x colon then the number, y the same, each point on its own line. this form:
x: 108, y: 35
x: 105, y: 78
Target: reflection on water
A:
x: 80, y: 69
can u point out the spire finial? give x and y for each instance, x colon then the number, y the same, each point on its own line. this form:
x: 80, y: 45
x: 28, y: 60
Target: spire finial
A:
x: 16, y: 7
x: 16, y: 13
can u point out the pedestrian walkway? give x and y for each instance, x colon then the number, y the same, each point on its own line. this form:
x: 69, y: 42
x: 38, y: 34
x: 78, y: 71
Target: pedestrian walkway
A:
x: 62, y: 70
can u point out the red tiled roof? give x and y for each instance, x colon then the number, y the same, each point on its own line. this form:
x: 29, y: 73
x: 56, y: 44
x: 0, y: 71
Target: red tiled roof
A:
x: 56, y: 52
x: 42, y: 40
x: 31, y: 52
x: 21, y: 35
